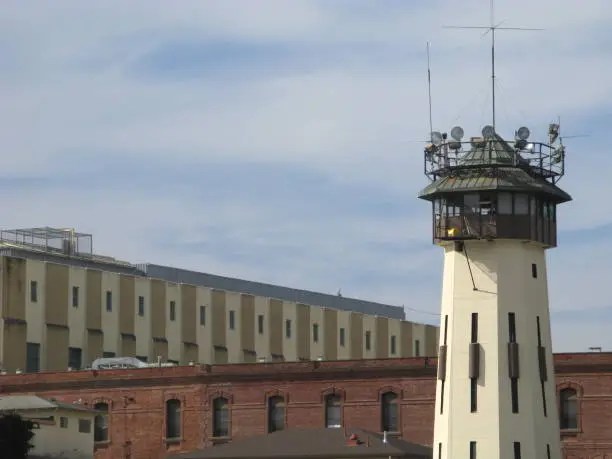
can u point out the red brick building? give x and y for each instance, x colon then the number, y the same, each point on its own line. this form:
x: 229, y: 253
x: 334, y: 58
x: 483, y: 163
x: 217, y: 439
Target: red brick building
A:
x: 156, y: 411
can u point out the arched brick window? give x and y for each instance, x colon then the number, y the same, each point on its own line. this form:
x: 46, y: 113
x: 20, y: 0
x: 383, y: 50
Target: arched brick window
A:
x: 389, y: 412
x: 221, y: 417
x: 101, y: 423
x: 276, y: 414
x: 173, y: 419
x: 568, y: 409
x: 333, y: 410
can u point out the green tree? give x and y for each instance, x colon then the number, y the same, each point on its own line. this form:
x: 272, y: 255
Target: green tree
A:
x: 15, y: 436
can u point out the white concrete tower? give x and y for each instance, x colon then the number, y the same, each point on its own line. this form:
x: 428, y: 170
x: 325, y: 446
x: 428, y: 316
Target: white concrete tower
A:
x: 494, y: 214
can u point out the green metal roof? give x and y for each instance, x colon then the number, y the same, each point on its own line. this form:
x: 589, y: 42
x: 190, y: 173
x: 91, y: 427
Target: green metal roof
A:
x: 493, y: 165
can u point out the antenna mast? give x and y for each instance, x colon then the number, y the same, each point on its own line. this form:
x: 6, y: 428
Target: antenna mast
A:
x: 429, y: 89
x: 492, y: 28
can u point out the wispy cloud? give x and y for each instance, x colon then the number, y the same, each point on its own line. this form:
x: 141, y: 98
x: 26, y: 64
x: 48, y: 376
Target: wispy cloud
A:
x: 279, y: 141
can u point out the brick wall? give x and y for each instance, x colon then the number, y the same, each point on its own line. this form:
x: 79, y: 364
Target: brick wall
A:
x: 137, y: 399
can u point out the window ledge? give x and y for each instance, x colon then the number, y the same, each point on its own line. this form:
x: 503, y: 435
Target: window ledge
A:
x: 101, y: 444
x: 220, y: 440
x: 570, y: 432
x: 173, y: 441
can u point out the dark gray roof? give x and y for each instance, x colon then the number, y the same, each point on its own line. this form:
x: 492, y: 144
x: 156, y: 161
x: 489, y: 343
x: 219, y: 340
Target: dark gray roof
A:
x: 492, y: 165
x: 271, y: 291
x: 493, y: 179
x: 313, y: 443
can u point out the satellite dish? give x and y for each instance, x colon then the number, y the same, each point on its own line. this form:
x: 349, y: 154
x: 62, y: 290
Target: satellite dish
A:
x: 436, y: 138
x: 488, y: 132
x: 523, y: 133
x: 457, y: 133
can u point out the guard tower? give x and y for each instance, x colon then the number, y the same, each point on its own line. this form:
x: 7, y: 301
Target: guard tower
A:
x: 494, y: 213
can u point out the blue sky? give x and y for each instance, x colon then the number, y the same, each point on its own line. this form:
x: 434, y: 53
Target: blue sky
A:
x: 281, y: 138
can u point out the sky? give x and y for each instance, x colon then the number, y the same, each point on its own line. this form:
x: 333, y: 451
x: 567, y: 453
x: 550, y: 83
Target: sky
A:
x: 281, y: 141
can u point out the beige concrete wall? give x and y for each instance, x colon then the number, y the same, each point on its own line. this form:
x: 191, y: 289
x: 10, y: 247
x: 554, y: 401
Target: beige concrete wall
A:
x: 174, y: 332
x: 418, y: 340
x: 303, y: 328
x: 77, y: 315
x: 344, y: 323
x: 290, y: 343
x: 317, y: 318
x: 54, y: 323
x: 261, y: 340
x: 142, y: 324
x: 502, y: 272
x: 35, y: 311
x: 233, y: 340
x: 395, y: 333
x: 66, y: 442
x: 275, y: 329
x: 357, y: 335
x: 220, y: 326
x: 204, y: 333
x: 369, y: 325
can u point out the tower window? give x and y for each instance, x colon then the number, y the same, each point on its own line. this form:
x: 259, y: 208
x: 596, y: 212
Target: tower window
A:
x: 534, y: 270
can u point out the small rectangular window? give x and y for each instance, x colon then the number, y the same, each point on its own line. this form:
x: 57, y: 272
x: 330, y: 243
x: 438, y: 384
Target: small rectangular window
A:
x: 315, y: 333
x: 33, y: 291
x: 287, y: 328
x: 534, y: 270
x: 232, y: 320
x: 548, y: 451
x: 417, y: 348
x: 342, y: 336
x: 142, y: 358
x: 172, y: 310
x: 75, y: 297
x: 472, y: 450
x: 108, y: 355
x: 439, y: 450
x: 202, y: 315
x: 141, y: 306
x: 32, y: 357
x: 63, y: 422
x: 260, y: 324
x: 368, y: 340
x: 393, y: 345
x: 84, y: 426
x: 109, y: 301
x: 517, y: 450
x: 75, y: 358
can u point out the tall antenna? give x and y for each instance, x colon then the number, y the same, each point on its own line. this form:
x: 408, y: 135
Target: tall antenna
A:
x: 492, y: 28
x: 429, y: 89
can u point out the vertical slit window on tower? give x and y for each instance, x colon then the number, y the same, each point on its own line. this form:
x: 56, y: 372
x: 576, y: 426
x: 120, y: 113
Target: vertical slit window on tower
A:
x: 474, y: 381
x: 442, y: 383
x: 472, y: 450
x: 473, y: 395
x: 474, y: 327
x: 439, y: 450
x: 512, y: 327
x: 517, y: 450
x: 514, y: 395
x: 542, y: 385
x: 548, y: 451
x: 534, y: 270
